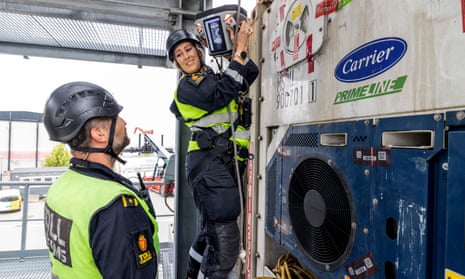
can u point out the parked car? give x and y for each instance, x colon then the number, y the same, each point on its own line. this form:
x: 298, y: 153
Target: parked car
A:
x: 10, y: 200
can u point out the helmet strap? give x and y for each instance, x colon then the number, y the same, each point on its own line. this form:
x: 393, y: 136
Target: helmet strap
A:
x: 108, y: 150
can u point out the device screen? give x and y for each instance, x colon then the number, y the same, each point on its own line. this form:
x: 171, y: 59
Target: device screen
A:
x: 215, y: 35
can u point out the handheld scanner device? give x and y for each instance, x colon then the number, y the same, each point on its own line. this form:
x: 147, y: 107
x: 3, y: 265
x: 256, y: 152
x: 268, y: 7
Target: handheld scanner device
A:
x: 211, y: 28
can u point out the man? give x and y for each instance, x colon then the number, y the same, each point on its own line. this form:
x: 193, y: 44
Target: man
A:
x: 209, y: 105
x: 97, y: 225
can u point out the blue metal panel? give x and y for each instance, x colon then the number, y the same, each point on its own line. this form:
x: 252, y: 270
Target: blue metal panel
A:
x: 405, y: 191
x: 455, y: 204
x: 396, y: 194
x: 273, y: 202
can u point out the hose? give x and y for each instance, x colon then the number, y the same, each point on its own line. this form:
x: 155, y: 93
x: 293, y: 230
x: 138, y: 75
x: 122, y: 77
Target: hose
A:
x: 167, y: 205
x: 288, y: 267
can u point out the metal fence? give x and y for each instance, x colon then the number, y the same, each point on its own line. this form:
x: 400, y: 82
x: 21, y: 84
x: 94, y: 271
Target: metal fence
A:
x: 31, y: 260
x: 23, y: 262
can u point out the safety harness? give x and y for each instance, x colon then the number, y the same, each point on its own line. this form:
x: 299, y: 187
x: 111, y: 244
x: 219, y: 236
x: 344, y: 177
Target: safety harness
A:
x: 216, y: 132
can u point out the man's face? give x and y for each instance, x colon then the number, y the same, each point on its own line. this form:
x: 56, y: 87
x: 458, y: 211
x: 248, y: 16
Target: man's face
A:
x: 121, y: 139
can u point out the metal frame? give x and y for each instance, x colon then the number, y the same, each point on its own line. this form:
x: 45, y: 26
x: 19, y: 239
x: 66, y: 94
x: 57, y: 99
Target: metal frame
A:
x: 81, y: 30
x: 165, y: 15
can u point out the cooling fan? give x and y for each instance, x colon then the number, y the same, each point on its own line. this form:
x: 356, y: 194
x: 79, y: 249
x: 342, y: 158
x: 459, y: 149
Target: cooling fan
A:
x: 320, y: 212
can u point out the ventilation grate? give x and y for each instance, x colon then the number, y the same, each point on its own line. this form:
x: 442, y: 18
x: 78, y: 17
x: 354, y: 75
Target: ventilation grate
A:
x: 320, y: 213
x: 306, y: 139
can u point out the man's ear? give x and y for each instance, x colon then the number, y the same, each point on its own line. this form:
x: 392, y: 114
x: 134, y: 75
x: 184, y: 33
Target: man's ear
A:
x: 98, y: 134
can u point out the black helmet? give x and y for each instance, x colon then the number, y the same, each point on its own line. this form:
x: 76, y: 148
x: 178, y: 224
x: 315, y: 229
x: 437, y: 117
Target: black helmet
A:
x: 71, y: 105
x: 177, y: 37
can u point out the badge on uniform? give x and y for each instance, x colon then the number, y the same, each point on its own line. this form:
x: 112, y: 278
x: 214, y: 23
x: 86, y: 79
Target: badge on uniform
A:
x: 196, y: 79
x: 142, y: 249
x: 129, y: 201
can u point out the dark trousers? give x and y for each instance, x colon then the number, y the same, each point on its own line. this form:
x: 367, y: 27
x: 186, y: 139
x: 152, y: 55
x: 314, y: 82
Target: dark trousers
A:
x: 214, y: 251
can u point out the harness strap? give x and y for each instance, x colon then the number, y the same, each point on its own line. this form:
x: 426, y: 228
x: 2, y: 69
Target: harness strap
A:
x: 220, y: 147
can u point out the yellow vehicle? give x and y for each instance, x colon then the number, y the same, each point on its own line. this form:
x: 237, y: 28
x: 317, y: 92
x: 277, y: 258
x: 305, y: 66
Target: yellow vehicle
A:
x: 10, y: 200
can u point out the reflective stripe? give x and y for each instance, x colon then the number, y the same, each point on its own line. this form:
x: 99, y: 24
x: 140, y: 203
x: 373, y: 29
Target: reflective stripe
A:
x: 235, y: 75
x: 195, y: 255
x: 242, y: 135
x: 214, y: 119
x: 219, y: 129
x: 203, y: 118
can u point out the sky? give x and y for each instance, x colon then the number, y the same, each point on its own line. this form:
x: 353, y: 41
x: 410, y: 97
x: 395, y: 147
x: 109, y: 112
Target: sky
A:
x: 145, y: 93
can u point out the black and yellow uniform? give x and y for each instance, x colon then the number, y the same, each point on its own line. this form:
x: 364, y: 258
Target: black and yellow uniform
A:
x: 207, y: 103
x: 97, y: 226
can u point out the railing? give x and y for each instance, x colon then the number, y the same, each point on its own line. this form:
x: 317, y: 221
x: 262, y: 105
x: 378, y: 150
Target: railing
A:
x: 34, y: 263
x: 24, y: 263
x: 25, y: 188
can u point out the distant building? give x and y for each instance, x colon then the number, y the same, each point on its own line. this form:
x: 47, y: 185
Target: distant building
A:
x: 48, y: 174
x: 24, y: 142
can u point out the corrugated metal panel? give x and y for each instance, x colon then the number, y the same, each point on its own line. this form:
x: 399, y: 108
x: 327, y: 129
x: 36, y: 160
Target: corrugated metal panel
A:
x: 80, y: 34
x: 25, y: 268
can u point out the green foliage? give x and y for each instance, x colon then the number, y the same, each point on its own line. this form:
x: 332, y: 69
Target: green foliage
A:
x: 59, y: 158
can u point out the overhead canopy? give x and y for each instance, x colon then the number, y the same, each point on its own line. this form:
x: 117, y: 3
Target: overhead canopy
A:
x: 118, y: 31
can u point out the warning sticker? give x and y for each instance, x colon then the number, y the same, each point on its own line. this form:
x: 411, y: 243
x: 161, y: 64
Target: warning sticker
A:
x: 362, y: 267
x: 449, y: 274
x: 376, y: 157
x: 325, y: 7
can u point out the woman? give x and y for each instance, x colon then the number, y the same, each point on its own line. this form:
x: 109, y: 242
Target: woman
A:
x: 209, y: 104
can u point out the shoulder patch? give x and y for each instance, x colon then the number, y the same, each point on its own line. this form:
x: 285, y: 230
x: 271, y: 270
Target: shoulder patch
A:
x: 196, y: 79
x: 143, y: 247
x: 129, y: 201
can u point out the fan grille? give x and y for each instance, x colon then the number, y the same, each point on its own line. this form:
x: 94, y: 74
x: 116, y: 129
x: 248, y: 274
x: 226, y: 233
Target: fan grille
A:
x: 320, y: 213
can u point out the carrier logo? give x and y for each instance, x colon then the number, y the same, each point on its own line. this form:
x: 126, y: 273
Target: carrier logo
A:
x: 370, y: 59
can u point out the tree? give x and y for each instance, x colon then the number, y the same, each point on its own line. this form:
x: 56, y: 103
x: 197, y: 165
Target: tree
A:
x: 60, y: 157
